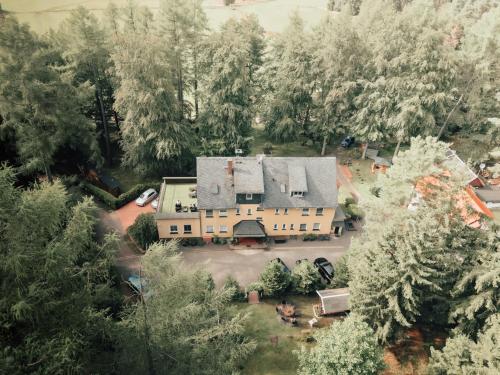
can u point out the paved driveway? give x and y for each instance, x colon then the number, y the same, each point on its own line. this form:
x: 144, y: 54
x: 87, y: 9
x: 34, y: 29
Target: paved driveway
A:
x: 126, y: 215
x: 246, y: 265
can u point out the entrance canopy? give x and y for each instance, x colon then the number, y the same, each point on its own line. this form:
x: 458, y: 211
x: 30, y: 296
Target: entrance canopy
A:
x: 249, y: 228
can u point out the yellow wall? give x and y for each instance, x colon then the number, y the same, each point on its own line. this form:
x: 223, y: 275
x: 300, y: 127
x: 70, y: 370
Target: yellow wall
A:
x: 269, y: 218
x: 164, y: 227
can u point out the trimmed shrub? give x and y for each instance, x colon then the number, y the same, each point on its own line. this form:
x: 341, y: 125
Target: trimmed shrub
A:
x: 255, y: 287
x: 274, y: 279
x: 117, y: 202
x: 236, y: 292
x: 100, y: 194
x: 310, y: 237
x: 193, y: 241
x: 144, y: 230
x: 305, y: 278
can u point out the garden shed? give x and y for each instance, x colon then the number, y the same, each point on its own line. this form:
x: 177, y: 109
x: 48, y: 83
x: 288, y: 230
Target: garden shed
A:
x: 333, y: 301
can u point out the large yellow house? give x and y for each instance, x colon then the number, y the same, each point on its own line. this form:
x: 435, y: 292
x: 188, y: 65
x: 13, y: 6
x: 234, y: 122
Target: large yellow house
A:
x: 250, y: 197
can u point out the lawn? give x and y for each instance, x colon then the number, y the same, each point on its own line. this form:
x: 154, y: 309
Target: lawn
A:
x: 277, y: 358
x: 127, y: 178
x: 362, y: 177
x: 298, y: 148
x: 272, y: 14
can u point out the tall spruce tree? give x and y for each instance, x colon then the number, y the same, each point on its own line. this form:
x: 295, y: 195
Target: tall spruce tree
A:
x: 39, y: 101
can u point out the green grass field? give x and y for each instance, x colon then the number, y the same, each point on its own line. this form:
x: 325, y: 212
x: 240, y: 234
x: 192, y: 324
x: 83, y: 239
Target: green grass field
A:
x: 273, y: 14
x: 276, y: 358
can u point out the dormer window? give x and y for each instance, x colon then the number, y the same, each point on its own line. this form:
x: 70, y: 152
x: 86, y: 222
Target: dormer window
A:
x: 249, y: 196
x: 297, y: 193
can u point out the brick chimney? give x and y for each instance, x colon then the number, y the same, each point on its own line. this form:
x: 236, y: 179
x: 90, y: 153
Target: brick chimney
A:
x: 229, y: 167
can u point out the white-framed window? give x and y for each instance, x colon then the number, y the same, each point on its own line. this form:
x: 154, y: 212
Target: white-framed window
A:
x: 285, y: 211
x: 303, y: 227
x: 209, y: 213
x: 237, y: 211
x: 174, y: 229
x: 187, y: 228
x: 222, y: 213
x: 319, y: 211
x: 283, y: 226
x: 316, y: 226
x: 260, y: 208
x: 275, y: 226
x: 223, y: 228
x: 305, y: 212
x: 249, y: 211
x: 276, y: 211
x: 292, y: 227
x: 210, y: 228
x: 258, y: 218
x: 249, y: 196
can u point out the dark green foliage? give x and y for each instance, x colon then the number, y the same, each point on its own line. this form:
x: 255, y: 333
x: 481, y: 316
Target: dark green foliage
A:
x: 346, y: 347
x: 144, y: 230
x: 305, y: 278
x: 185, y: 326
x: 56, y: 291
x: 341, y: 274
x: 310, y: 237
x: 124, y: 198
x: 236, y: 292
x: 275, y: 281
x: 193, y: 241
x: 354, y: 212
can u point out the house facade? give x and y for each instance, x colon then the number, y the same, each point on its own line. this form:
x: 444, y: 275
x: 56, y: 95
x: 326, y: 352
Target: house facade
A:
x: 250, y: 197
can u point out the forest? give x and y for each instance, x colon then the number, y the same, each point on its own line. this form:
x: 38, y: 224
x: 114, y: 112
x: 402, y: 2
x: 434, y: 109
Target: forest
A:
x: 148, y: 92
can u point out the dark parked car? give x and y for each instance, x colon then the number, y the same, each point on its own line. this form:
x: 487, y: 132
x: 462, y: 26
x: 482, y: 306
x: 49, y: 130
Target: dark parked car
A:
x: 347, y: 141
x: 284, y: 267
x: 325, y: 268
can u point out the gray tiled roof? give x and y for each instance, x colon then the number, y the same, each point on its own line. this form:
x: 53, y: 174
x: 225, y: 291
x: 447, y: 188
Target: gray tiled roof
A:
x: 297, y: 177
x: 248, y: 177
x: 249, y: 228
x: 320, y: 174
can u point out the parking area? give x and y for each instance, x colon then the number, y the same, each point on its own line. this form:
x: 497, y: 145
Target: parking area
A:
x: 246, y: 265
x: 126, y: 215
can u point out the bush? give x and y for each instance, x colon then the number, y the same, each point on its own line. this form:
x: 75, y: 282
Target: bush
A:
x: 231, y: 283
x: 310, y: 237
x: 255, y: 287
x: 341, y: 274
x: 324, y: 237
x: 193, y: 241
x: 305, y: 278
x: 349, y: 201
x: 354, y: 212
x: 117, y: 202
x: 274, y: 279
x: 100, y: 194
x: 144, y: 230
x: 268, y: 148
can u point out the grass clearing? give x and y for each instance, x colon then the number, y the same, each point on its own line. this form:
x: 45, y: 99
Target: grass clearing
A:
x: 263, y: 324
x: 362, y: 177
x: 128, y: 178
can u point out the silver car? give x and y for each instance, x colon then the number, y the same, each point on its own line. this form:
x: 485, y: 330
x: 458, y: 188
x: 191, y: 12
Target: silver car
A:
x: 154, y: 204
x: 146, y: 197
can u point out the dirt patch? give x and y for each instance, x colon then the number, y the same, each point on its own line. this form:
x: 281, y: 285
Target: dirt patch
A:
x: 346, y: 171
x: 408, y: 356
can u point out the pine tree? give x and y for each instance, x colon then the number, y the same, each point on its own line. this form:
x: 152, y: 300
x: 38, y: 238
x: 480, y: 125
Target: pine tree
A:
x: 290, y: 84
x: 39, y: 102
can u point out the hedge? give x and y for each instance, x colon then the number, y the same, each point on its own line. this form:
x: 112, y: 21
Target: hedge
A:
x: 117, y: 202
